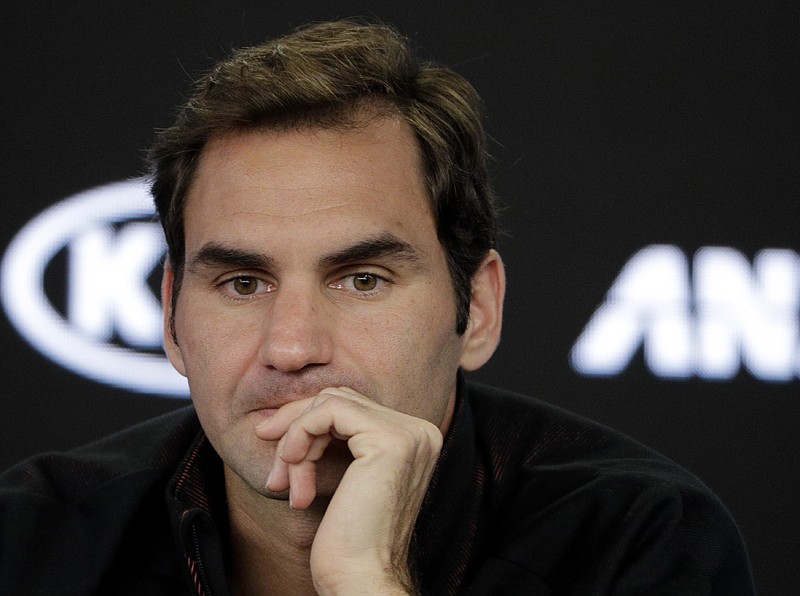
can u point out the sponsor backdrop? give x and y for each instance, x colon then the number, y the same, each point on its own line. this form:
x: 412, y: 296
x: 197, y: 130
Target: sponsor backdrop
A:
x: 646, y: 158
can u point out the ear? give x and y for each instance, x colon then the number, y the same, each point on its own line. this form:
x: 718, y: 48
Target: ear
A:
x: 171, y: 346
x: 485, y: 313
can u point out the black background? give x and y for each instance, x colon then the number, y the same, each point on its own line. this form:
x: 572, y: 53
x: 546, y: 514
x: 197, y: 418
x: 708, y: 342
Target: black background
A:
x: 613, y: 125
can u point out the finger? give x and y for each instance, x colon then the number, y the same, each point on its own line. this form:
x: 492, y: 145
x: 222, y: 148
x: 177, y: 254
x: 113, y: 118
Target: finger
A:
x: 274, y: 427
x: 278, y: 479
x: 330, y: 414
x: 299, y: 444
x: 302, y: 484
x: 283, y: 470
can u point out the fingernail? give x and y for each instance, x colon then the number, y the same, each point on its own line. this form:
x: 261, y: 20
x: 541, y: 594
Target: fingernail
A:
x: 269, y: 477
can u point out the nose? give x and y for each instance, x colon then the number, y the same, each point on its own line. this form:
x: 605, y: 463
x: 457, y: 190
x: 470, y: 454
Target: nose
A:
x: 296, y: 331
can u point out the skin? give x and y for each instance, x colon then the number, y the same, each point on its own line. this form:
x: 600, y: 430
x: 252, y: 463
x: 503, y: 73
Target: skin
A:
x: 316, y: 326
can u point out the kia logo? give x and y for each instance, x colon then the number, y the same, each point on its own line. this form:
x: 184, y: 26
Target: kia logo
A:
x: 109, y: 328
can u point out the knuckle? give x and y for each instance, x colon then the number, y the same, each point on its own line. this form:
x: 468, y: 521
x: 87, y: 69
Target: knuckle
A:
x: 422, y: 436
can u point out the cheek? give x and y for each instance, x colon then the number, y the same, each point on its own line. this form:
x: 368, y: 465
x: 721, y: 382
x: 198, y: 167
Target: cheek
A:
x: 215, y: 350
x: 415, y: 360
x: 215, y: 366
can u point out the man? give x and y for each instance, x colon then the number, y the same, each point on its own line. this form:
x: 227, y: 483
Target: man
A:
x: 331, y: 270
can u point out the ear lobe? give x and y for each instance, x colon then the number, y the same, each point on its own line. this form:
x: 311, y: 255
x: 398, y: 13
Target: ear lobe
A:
x: 485, y: 313
x: 171, y: 346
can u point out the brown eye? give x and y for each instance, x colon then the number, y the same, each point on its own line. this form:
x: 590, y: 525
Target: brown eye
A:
x: 245, y: 285
x: 364, y: 282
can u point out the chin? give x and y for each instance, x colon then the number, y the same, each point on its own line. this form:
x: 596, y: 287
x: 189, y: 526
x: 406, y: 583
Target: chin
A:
x: 275, y: 496
x: 331, y: 468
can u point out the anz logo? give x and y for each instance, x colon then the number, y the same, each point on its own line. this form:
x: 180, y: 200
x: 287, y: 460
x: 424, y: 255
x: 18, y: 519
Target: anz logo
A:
x: 103, y: 320
x: 706, y: 319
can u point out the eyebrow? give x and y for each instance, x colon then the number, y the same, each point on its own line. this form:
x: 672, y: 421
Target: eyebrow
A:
x: 215, y: 255
x: 387, y: 245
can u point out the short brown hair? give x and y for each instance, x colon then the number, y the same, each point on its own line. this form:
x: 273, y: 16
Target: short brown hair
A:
x: 324, y: 75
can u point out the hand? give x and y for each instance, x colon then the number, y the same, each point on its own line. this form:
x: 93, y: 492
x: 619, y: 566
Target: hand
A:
x: 362, y: 543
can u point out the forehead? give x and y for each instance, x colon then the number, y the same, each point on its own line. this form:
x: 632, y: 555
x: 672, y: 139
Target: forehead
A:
x: 309, y: 180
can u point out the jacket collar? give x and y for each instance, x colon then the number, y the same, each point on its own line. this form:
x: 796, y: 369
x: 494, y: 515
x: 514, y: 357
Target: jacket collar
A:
x: 198, y: 508
x: 448, y: 531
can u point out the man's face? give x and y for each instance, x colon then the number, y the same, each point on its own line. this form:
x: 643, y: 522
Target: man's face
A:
x: 311, y: 261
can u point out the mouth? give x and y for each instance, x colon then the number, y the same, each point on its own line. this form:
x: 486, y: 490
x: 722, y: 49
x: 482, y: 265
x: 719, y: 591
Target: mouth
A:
x: 266, y: 408
x: 277, y: 390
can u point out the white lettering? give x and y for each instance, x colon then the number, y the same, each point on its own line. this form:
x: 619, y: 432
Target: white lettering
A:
x: 747, y: 314
x: 81, y: 223
x: 107, y: 283
x: 648, y: 303
x: 725, y: 315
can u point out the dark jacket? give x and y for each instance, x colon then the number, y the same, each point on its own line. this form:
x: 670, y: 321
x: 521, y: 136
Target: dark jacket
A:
x: 526, y: 499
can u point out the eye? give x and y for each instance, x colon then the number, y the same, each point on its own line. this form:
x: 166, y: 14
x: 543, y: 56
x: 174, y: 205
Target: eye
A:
x: 361, y: 283
x: 365, y: 282
x: 245, y: 286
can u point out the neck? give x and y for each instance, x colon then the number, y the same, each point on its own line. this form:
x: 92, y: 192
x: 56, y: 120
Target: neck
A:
x: 270, y: 543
